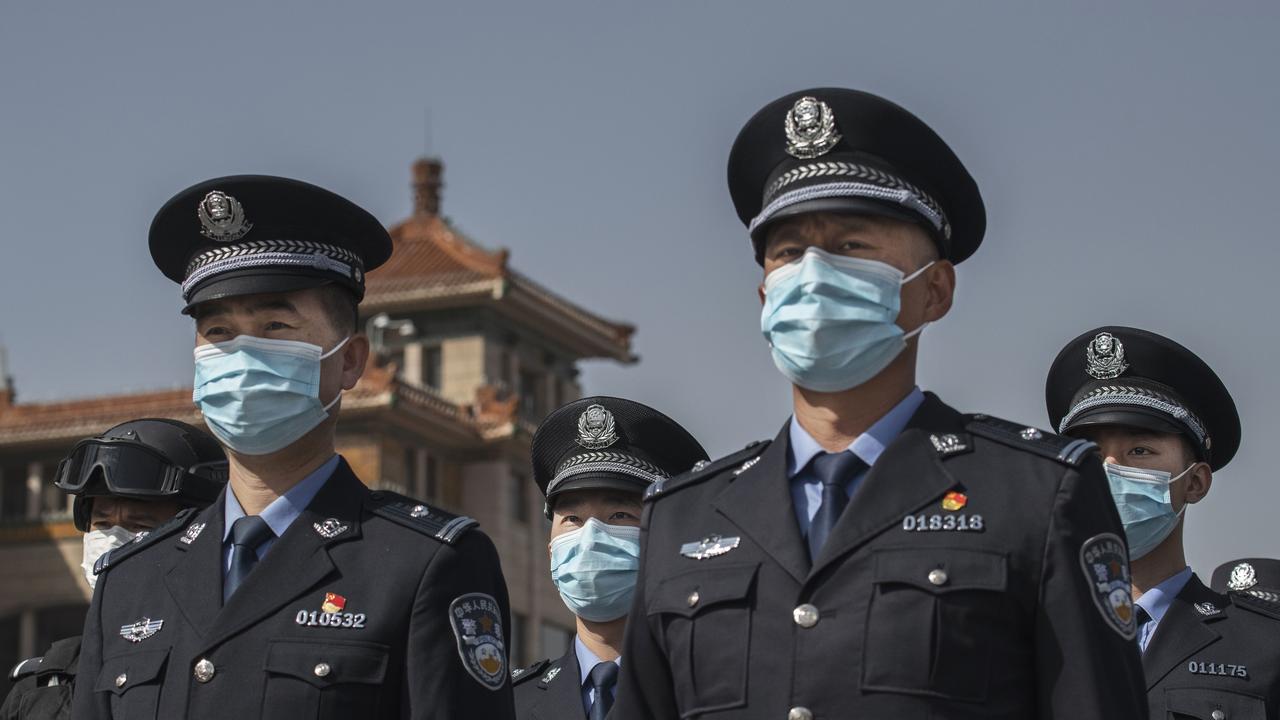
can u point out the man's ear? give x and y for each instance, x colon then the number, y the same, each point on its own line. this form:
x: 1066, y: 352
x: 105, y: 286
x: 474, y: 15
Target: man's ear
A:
x: 354, y: 356
x: 1199, y: 480
x: 760, y: 292
x: 941, y: 287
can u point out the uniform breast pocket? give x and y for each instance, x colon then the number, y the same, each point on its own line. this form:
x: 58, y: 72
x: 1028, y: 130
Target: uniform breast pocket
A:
x: 1206, y: 704
x: 704, y: 616
x: 134, y: 683
x: 326, y: 679
x: 931, y: 622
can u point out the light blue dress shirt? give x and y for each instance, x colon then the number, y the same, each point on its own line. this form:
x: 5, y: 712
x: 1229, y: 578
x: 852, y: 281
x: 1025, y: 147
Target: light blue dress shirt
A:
x: 279, y: 515
x: 586, y: 661
x: 1156, y: 602
x: 806, y: 488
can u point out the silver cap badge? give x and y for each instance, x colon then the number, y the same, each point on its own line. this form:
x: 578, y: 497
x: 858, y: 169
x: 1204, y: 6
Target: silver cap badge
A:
x: 1242, y: 577
x: 596, y: 428
x: 141, y: 630
x: 811, y: 129
x: 1105, y: 356
x: 222, y: 217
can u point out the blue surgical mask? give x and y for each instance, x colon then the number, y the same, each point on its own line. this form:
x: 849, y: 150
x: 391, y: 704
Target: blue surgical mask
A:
x: 594, y: 568
x: 1146, y: 510
x: 260, y: 395
x: 830, y: 319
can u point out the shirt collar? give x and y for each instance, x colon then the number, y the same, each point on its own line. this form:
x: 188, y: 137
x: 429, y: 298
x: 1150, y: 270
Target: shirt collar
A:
x: 282, y: 511
x: 1157, y: 600
x: 868, y: 446
x: 587, y: 660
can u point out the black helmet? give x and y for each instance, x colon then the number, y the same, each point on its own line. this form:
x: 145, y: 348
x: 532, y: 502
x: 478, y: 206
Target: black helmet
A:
x: 146, y: 459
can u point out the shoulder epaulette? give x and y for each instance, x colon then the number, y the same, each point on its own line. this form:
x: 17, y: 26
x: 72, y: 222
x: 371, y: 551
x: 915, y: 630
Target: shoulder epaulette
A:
x: 115, y: 556
x: 443, y: 526
x: 26, y: 668
x: 744, y: 458
x: 520, y: 675
x: 1069, y: 451
x: 1261, y: 602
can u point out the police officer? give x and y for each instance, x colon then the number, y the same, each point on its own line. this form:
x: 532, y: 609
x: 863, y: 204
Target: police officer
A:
x: 300, y: 593
x: 885, y: 555
x: 1259, y: 577
x: 592, y: 460
x: 1165, y: 424
x: 127, y: 481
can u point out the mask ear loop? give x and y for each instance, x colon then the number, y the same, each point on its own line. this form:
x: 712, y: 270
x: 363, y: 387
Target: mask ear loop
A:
x: 335, y: 349
x: 907, y: 279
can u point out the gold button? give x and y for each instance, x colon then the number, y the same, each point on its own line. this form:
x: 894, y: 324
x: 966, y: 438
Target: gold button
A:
x: 938, y: 577
x: 204, y: 670
x: 806, y: 615
x: 121, y: 679
x: 322, y: 670
x: 694, y: 597
x: 1218, y: 715
x: 800, y: 713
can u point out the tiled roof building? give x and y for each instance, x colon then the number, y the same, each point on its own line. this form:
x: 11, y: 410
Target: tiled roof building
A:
x: 469, y: 355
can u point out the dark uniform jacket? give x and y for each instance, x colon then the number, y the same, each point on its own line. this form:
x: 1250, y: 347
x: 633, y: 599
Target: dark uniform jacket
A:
x: 43, y: 685
x: 371, y: 605
x: 550, y: 690
x: 1214, y: 658
x: 1006, y: 600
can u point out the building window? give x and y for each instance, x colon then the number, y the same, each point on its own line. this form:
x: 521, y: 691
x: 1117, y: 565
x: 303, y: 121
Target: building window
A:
x: 554, y: 640
x: 424, y: 473
x: 432, y: 366
x: 516, y: 651
x: 13, y: 492
x: 530, y: 400
x: 519, y: 497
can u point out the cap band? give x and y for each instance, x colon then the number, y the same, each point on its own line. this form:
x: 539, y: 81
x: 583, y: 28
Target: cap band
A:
x: 874, y: 184
x: 271, y: 253
x: 1136, y: 397
x: 606, y: 462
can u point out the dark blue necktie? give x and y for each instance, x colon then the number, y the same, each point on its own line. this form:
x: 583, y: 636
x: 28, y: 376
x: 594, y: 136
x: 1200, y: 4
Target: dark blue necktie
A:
x: 247, y: 534
x: 603, y: 677
x: 835, y: 470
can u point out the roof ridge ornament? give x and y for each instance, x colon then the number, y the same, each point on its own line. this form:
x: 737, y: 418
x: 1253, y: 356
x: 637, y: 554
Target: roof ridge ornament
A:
x: 811, y: 129
x: 1104, y: 357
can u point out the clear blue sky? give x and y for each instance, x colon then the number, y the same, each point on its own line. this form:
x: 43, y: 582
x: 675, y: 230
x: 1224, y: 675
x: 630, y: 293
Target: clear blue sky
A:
x: 1126, y: 151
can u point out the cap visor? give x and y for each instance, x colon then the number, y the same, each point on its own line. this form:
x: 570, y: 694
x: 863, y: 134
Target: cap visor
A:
x: 599, y: 481
x: 843, y: 206
x: 1152, y: 420
x: 250, y: 283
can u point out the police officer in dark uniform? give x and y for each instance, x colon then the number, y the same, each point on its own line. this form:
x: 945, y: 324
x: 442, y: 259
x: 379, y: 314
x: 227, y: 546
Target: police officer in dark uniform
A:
x: 1259, y: 577
x: 126, y: 482
x: 593, y: 460
x: 300, y: 593
x: 885, y: 556
x: 1165, y: 424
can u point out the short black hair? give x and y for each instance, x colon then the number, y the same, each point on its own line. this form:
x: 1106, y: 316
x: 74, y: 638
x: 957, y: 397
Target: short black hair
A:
x: 341, y: 307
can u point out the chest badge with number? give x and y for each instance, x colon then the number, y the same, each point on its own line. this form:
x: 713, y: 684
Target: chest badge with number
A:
x: 331, y: 615
x: 709, y: 547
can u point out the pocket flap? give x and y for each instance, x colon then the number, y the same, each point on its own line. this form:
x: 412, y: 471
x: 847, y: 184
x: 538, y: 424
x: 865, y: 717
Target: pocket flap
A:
x: 689, y: 592
x: 122, y: 672
x: 328, y: 662
x: 942, y: 570
x: 1201, y: 702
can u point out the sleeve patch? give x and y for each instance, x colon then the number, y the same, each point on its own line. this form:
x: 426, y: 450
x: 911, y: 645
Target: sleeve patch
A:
x: 1105, y: 562
x: 477, y: 624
